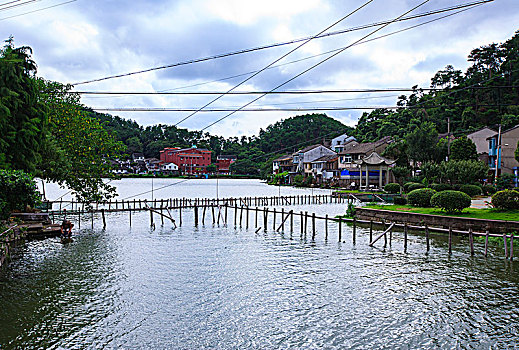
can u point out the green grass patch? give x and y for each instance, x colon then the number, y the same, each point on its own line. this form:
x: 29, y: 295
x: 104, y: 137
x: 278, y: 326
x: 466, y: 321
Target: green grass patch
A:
x: 359, y: 192
x: 487, y: 214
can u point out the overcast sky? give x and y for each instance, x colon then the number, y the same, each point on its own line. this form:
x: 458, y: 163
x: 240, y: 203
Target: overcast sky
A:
x: 89, y: 39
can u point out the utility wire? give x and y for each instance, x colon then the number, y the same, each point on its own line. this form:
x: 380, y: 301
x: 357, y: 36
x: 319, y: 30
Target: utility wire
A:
x: 276, y: 61
x: 306, y: 109
x: 17, y: 5
x: 156, y: 189
x: 315, y: 65
x: 310, y: 57
x: 196, y: 60
x: 38, y: 10
x: 286, y: 92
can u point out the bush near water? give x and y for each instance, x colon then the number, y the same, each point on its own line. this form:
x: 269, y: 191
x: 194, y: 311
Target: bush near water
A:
x: 400, y: 200
x: 488, y: 189
x: 471, y: 190
x: 451, y: 201
x: 421, y: 197
x: 392, y: 188
x: 411, y: 186
x: 506, y: 200
x: 440, y: 187
x: 17, y: 191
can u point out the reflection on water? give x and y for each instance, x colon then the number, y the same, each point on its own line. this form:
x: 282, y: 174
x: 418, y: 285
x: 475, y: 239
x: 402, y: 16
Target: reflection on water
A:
x: 226, y: 287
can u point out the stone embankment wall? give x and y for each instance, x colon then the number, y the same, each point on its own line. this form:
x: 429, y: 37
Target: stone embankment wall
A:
x: 8, y: 238
x: 456, y: 223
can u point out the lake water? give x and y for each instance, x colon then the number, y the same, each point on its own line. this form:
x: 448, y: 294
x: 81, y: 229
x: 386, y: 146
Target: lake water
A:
x: 229, y: 288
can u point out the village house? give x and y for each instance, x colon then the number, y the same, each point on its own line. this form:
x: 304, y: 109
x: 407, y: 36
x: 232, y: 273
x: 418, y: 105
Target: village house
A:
x: 169, y: 168
x: 192, y: 161
x: 223, y: 164
x: 282, y: 164
x: 325, y: 168
x: 479, y: 138
x: 302, y: 159
x: 502, y: 152
x: 350, y: 159
x: 337, y: 144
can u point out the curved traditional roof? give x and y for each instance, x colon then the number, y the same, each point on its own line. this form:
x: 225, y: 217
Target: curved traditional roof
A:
x: 375, y: 159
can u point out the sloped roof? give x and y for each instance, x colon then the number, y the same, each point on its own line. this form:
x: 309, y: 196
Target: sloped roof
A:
x: 375, y: 159
x: 354, y: 147
x: 326, y: 158
x: 285, y: 157
x: 309, y: 148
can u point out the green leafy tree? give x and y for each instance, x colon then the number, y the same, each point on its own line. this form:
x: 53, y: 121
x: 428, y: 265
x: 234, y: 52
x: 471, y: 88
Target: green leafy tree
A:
x: 421, y: 141
x: 17, y: 191
x: 23, y: 116
x: 463, y: 148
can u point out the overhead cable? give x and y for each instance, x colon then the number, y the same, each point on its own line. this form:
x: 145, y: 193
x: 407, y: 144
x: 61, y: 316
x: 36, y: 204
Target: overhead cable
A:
x: 269, y: 46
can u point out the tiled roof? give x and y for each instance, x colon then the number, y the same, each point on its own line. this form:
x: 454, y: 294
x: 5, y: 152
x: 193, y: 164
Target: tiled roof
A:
x: 362, y: 148
x: 326, y: 158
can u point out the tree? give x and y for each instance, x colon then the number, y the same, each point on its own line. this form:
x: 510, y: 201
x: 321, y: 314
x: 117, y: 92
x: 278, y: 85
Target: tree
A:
x: 421, y: 141
x: 85, y: 147
x: 23, y: 116
x: 463, y: 148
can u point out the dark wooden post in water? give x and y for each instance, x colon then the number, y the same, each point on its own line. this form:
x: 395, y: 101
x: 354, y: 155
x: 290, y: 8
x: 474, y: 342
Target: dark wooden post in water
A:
x: 203, y: 215
x: 506, y: 245
x: 241, y: 215
x: 225, y: 214
x: 283, y: 219
x: 371, y: 230
x: 274, y: 220
x: 92, y: 218
x: 104, y: 220
x: 486, y: 242
x: 265, y: 216
x: 247, y: 218
x: 291, y: 221
x: 471, y: 241
x: 450, y: 240
x: 151, y: 218
x: 161, y: 214
x: 306, y: 221
x: 130, y: 213
x: 385, y: 234
x: 354, y: 229
x: 302, y: 224
x: 212, y: 213
x: 196, y: 215
x: 340, y: 229
x: 313, y: 226
x: 235, y: 213
x: 326, y: 227
x: 256, y: 217
x: 405, y: 236
x: 427, y: 238
x: 512, y: 246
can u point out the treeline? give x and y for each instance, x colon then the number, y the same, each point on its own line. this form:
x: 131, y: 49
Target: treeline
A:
x: 254, y: 153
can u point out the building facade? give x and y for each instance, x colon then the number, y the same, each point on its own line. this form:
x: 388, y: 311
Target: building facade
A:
x: 190, y: 161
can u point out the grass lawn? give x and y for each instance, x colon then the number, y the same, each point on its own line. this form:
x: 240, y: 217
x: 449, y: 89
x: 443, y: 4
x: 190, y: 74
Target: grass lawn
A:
x: 488, y: 214
x: 359, y: 192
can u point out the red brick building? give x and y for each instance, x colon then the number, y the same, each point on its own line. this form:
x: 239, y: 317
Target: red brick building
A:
x: 189, y: 160
x: 223, y: 163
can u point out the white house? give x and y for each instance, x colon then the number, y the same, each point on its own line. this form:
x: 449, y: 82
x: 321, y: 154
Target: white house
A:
x: 339, y: 142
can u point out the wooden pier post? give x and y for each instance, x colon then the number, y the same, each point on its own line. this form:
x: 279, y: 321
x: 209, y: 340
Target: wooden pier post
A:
x: 92, y: 219
x: 130, y: 214
x: 291, y: 221
x: 471, y: 241
x: 511, y: 246
x: 225, y: 214
x: 196, y: 215
x: 506, y: 245
x: 313, y: 226
x: 306, y: 221
x: 247, y: 217
x: 180, y: 215
x: 282, y: 219
x: 302, y: 224
x: 371, y: 230
x: 486, y: 242
x: 203, y: 215
x: 326, y: 227
x: 340, y: 229
x: 235, y: 213
x: 151, y: 218
x: 427, y: 238
x: 256, y: 215
x: 405, y: 236
x: 274, y: 221
x: 212, y: 213
x: 450, y: 240
x: 104, y: 220
x: 241, y: 215
x: 161, y: 215
x: 265, y: 216
x: 354, y: 229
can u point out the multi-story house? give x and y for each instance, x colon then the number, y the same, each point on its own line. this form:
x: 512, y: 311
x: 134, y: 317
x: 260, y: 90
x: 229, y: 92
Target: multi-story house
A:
x: 189, y: 160
x: 302, y: 159
x: 501, y: 152
x: 325, y: 168
x: 482, y: 144
x: 282, y: 164
x: 223, y: 164
x: 337, y: 144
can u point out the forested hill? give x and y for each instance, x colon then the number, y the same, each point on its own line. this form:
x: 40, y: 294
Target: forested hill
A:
x: 253, y: 152
x: 486, y: 94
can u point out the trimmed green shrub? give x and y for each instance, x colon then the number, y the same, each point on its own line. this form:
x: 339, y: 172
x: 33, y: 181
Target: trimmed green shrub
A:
x: 400, y: 200
x: 506, y: 200
x: 410, y: 186
x: 421, y: 197
x: 451, y: 201
x: 392, y: 188
x: 440, y: 187
x: 488, y: 189
x: 471, y: 190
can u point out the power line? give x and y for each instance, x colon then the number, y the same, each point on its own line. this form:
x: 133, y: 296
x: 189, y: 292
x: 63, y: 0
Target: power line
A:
x: 17, y: 5
x: 314, y: 66
x: 321, y: 54
x: 38, y: 10
x: 268, y: 46
x: 286, y: 92
x: 306, y: 109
